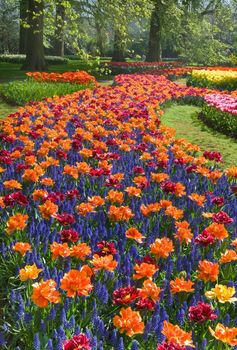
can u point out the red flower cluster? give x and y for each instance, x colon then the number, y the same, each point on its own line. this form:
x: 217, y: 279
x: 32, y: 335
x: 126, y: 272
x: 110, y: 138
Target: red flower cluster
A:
x: 77, y: 342
x: 170, y: 346
x: 106, y: 248
x: 124, y: 296
x: 69, y: 235
x: 222, y: 218
x: 201, y: 313
x: 15, y: 198
x: 216, y: 156
x: 204, y: 239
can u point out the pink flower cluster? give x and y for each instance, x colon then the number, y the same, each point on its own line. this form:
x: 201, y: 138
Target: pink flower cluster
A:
x: 224, y: 103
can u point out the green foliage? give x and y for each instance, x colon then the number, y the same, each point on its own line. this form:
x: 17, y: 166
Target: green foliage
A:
x: 21, y: 58
x: 223, y: 122
x: 21, y: 92
x: 199, y: 43
x: 233, y: 59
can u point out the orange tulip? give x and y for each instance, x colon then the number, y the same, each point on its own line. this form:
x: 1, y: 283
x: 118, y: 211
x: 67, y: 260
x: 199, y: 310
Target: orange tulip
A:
x: 199, y: 199
x: 29, y: 272
x: 144, y: 270
x: 83, y: 168
x: 47, y: 181
x: 96, y: 201
x: 208, y: 271
x: 115, y: 197
x: 174, y: 212
x: 76, y: 282
x: 122, y: 213
x: 150, y: 208
x: 150, y: 290
x: 225, y: 334
x: 48, y: 209
x: 12, y: 184
x: 45, y: 292
x: 176, y: 335
x: 133, y: 191
x: 71, y: 170
x: 104, y: 262
x: 58, y: 249
x: 22, y: 247
x: 162, y: 247
x: 159, y: 177
x: 30, y: 175
x: 16, y: 222
x: 228, y: 256
x: 183, y: 232
x: 179, y: 285
x: 129, y: 322
x: 85, y: 208
x: 39, y: 194
x: 133, y: 233
x: 217, y: 230
x: 80, y: 251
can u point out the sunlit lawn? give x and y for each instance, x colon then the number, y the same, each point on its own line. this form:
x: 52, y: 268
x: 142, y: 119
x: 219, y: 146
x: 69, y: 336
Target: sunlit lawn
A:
x: 185, y: 120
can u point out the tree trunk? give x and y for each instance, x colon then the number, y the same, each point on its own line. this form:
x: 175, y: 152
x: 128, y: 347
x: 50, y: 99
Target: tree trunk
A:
x: 23, y: 30
x: 35, y: 60
x: 119, y: 47
x: 99, y: 38
x: 154, y: 52
x: 59, y: 29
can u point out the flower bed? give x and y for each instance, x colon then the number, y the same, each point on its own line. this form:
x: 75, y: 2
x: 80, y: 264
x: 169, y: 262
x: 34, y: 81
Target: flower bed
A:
x: 114, y: 234
x: 220, y: 112
x: 217, y: 79
x: 186, y: 71
x: 133, y: 67
x: 80, y: 77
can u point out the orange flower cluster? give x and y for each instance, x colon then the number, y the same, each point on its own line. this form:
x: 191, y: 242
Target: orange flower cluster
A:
x: 80, y: 77
x: 77, y: 282
x: 45, y: 292
x: 129, y: 322
x: 79, y: 251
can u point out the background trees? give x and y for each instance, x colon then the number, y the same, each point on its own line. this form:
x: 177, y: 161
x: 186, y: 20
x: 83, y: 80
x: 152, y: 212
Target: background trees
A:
x: 201, y: 31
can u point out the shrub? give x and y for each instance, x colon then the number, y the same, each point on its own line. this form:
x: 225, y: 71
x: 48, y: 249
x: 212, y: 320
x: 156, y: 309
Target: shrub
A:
x: 21, y: 58
x: 21, y: 92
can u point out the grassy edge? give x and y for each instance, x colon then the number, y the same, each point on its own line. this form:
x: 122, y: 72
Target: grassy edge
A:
x: 198, y: 133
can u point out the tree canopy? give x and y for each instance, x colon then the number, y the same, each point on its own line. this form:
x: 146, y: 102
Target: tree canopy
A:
x: 200, y: 31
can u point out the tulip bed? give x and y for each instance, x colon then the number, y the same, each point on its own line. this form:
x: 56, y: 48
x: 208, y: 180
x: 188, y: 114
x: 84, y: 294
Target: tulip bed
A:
x: 80, y: 77
x: 220, y: 112
x: 217, y: 79
x: 114, y: 234
x: 133, y: 67
x: 43, y: 84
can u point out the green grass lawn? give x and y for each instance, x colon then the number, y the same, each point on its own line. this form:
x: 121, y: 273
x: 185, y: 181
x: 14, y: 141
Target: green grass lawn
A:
x: 12, y: 71
x: 6, y: 109
x: 184, y: 119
